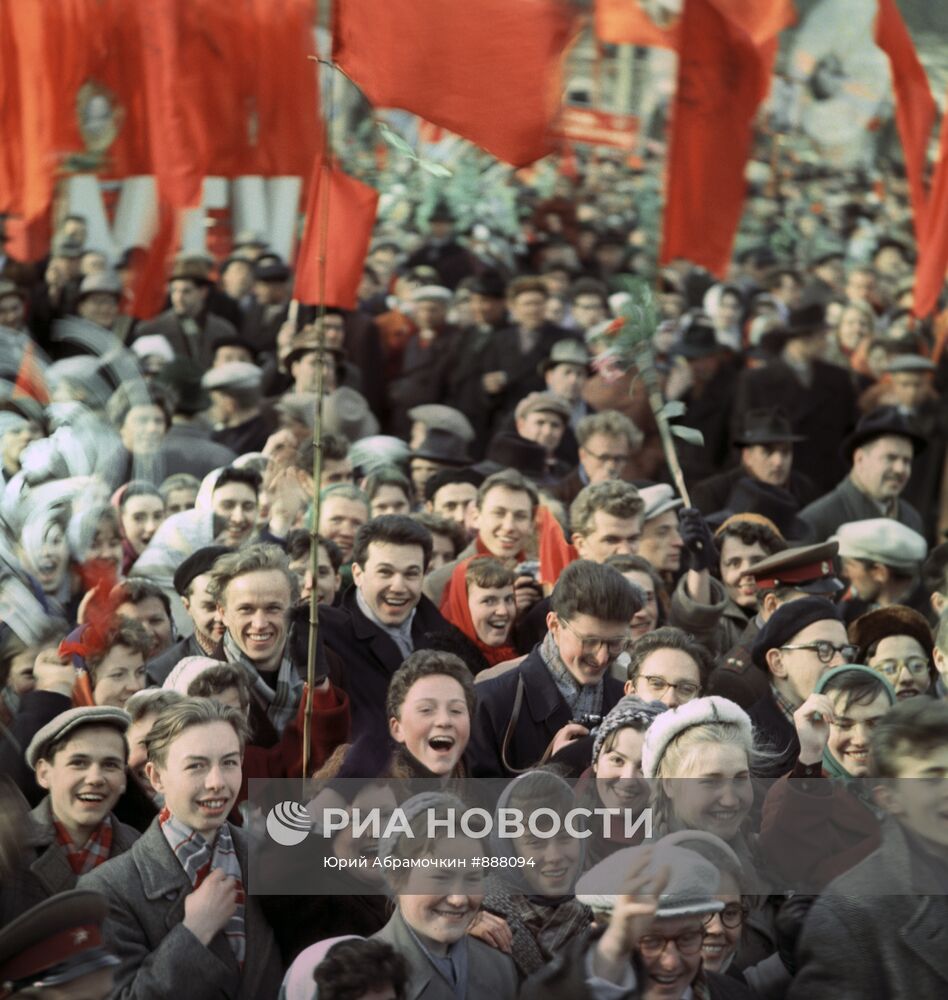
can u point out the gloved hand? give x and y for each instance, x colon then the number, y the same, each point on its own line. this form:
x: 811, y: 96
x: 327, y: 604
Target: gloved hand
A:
x: 788, y: 924
x: 697, y: 539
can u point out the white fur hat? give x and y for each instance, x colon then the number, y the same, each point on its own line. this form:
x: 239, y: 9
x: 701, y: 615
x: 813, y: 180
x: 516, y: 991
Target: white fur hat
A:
x: 693, y: 713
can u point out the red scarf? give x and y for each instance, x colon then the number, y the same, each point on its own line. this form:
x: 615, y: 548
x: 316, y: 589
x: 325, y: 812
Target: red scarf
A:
x: 455, y: 609
x: 95, y: 850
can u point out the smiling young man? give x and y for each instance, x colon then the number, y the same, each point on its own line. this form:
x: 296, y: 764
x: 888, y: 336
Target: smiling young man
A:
x: 878, y: 930
x: 561, y: 690
x: 504, y: 520
x: 181, y: 922
x: 382, y: 618
x: 79, y: 761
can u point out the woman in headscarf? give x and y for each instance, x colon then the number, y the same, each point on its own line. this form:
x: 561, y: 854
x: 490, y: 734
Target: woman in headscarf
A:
x: 481, y: 603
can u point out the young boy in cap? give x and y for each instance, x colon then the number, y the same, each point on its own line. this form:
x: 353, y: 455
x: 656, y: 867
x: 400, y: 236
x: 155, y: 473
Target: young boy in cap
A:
x: 54, y: 951
x: 79, y: 759
x: 800, y: 642
x: 881, y: 930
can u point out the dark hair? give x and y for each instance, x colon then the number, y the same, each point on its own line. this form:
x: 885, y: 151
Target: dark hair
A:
x: 856, y: 687
x: 122, y: 632
x: 526, y: 283
x: 447, y: 477
x: 334, y: 446
x: 935, y: 570
x: 489, y: 573
x: 391, y: 529
x: 352, y: 968
x: 588, y: 286
x: 750, y: 533
x: 49, y: 634
x: 134, y: 590
x: 299, y: 542
x: 386, y: 476
x: 130, y: 395
x: 427, y: 663
x: 670, y: 638
x: 916, y: 726
x: 445, y: 526
x: 587, y: 588
x: 233, y: 474
x: 639, y: 564
x: 139, y: 488
x: 216, y: 680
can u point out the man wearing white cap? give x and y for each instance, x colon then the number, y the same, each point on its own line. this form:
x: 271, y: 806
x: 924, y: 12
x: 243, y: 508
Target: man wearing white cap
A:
x: 881, y: 560
x: 240, y: 421
x: 661, y: 541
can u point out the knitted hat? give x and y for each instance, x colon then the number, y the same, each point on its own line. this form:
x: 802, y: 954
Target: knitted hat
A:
x: 415, y: 806
x: 187, y: 671
x: 787, y: 621
x: 629, y: 712
x: 690, y: 891
x: 698, y: 712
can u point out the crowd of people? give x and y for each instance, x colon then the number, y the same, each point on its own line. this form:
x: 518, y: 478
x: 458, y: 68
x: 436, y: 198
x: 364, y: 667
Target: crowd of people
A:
x: 509, y: 585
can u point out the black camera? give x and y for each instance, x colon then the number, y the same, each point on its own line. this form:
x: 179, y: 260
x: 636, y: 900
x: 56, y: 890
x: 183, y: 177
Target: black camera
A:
x: 588, y: 720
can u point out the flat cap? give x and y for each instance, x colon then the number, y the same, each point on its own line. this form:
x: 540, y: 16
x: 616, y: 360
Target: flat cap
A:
x: 250, y: 238
x: 233, y: 375
x: 882, y: 540
x: 431, y: 293
x: 787, y: 621
x: 543, y: 402
x: 71, y: 720
x: 107, y: 282
x: 659, y: 499
x: 808, y: 568
x: 443, y: 418
x: 200, y: 561
x: 909, y: 363
x: 566, y: 352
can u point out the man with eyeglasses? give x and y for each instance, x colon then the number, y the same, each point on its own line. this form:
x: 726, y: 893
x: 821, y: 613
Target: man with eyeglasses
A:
x: 797, y: 645
x: 667, y: 665
x: 897, y: 643
x: 607, y: 441
x: 563, y: 688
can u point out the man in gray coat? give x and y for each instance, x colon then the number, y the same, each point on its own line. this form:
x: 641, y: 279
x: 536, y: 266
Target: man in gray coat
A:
x: 880, y: 452
x: 881, y: 930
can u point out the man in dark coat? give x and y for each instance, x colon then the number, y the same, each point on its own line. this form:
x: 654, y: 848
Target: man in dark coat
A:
x: 817, y: 397
x: 510, y: 362
x: 881, y: 930
x: 880, y: 451
x: 188, y: 326
x: 801, y: 640
x: 766, y: 443
x: 383, y: 617
x: 441, y: 251
x: 564, y: 687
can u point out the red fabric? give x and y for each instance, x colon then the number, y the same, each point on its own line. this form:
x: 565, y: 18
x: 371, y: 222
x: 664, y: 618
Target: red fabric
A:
x: 11, y: 149
x: 344, y: 235
x: 29, y: 379
x: 455, y: 609
x: 82, y: 694
x: 488, y: 70
x: 149, y: 272
x: 723, y: 75
x: 555, y: 552
x: 95, y: 850
x: 933, y: 250
x: 624, y: 22
x: 915, y: 108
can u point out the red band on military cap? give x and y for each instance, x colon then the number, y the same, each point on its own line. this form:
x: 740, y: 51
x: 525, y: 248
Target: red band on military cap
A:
x: 796, y: 574
x: 52, y: 951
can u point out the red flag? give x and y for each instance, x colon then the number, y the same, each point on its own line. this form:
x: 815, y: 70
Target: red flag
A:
x: 29, y: 379
x: 348, y: 232
x: 149, y: 274
x: 915, y: 108
x: 11, y: 151
x: 724, y: 73
x: 488, y: 70
x: 933, y: 249
x: 627, y: 22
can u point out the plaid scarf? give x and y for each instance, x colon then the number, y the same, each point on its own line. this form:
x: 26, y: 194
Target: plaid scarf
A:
x: 583, y: 699
x: 198, y: 861
x: 95, y: 850
x: 787, y: 708
x: 283, y: 703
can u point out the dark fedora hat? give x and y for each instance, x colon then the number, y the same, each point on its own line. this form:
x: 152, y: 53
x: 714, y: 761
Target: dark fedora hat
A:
x: 508, y: 450
x: 698, y: 340
x: 769, y: 426
x: 751, y: 496
x: 489, y: 284
x: 444, y: 447
x: 806, y: 321
x: 884, y: 421
x: 184, y: 381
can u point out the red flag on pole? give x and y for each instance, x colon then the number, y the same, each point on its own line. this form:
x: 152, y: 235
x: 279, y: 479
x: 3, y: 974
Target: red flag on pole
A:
x: 348, y: 232
x: 488, y: 70
x: 627, y: 22
x: 933, y: 248
x: 915, y: 108
x: 150, y: 272
x: 724, y: 73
